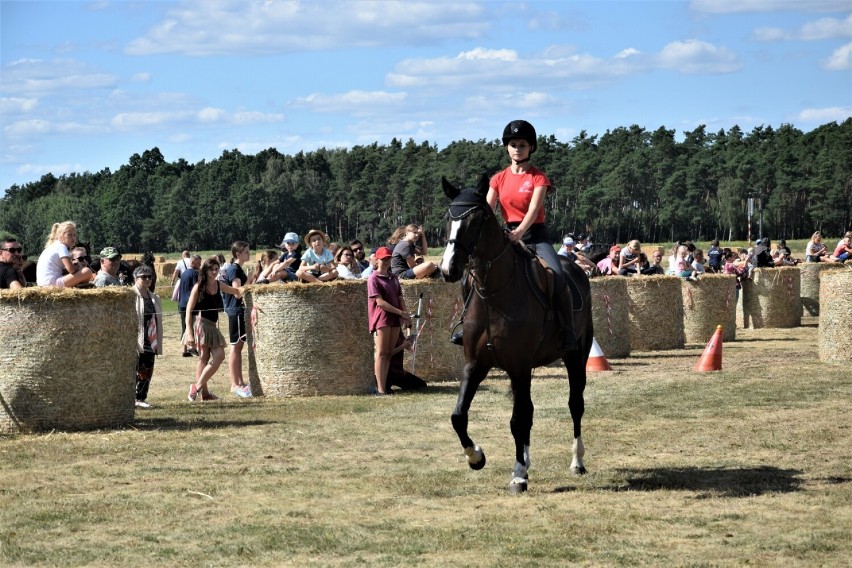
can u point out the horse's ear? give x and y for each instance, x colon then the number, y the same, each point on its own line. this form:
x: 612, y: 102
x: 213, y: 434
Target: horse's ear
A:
x: 450, y: 190
x: 482, y: 186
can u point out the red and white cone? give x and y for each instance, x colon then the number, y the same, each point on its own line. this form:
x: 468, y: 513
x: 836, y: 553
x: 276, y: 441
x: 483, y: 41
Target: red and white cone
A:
x: 711, y: 359
x: 597, y: 361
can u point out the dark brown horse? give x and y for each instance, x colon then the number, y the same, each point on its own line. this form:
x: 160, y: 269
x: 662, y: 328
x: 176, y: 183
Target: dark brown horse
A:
x: 509, y: 324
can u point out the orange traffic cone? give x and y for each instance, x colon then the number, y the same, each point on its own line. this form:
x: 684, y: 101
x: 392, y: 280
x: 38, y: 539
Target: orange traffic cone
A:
x: 597, y: 361
x: 711, y: 359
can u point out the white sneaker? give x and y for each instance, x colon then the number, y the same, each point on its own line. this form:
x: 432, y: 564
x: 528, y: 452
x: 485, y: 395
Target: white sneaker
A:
x: 242, y: 392
x: 142, y: 404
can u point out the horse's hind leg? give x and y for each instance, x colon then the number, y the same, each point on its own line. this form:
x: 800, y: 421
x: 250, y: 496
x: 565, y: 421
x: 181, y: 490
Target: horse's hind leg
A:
x: 521, y: 425
x: 576, y: 365
x: 472, y: 376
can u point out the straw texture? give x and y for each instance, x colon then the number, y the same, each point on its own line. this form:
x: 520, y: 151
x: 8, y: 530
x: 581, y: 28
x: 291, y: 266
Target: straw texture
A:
x: 69, y: 358
x: 164, y: 270
x: 771, y: 299
x: 610, y: 315
x: 810, y: 277
x: 655, y: 313
x: 309, y: 339
x: 437, y: 358
x: 835, y: 318
x: 708, y: 303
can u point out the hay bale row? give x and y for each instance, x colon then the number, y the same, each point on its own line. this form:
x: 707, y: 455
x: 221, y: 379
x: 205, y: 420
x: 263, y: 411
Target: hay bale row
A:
x: 310, y: 340
x: 771, y: 298
x: 610, y: 315
x: 810, y: 278
x: 164, y: 270
x: 69, y: 358
x: 835, y: 318
x: 707, y: 303
x: 655, y: 313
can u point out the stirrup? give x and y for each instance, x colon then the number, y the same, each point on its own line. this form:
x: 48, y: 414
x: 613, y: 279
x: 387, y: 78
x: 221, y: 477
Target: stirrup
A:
x: 457, y: 334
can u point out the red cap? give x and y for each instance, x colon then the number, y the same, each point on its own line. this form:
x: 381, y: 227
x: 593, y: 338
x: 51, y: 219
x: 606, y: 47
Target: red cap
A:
x: 615, y: 248
x: 384, y: 252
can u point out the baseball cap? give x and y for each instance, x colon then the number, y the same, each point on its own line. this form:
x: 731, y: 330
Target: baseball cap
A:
x: 289, y: 238
x: 384, y: 252
x: 568, y: 241
x: 110, y: 253
x: 615, y: 248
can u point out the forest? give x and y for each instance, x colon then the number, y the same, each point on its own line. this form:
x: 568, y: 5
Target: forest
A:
x: 627, y: 183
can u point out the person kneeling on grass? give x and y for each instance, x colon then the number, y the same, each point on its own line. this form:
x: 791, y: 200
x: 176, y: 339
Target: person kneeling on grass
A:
x: 205, y: 303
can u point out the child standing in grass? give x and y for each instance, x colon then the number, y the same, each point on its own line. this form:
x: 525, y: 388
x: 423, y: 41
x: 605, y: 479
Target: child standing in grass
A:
x: 385, y: 312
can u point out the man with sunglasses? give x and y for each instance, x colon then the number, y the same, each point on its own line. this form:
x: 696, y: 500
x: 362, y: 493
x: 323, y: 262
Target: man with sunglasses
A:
x: 360, y: 257
x: 10, y: 264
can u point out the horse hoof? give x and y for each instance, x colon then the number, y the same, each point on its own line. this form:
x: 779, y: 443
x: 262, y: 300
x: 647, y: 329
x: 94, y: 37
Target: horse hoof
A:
x: 517, y: 486
x: 477, y: 465
x: 581, y: 470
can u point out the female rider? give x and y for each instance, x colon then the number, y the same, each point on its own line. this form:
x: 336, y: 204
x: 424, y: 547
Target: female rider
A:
x: 520, y: 190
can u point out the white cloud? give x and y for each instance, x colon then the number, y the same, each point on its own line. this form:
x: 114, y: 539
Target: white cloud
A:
x: 211, y: 115
x: 350, y: 102
x: 824, y: 28
x: 141, y: 77
x: 253, y: 117
x: 694, y: 56
x: 230, y: 27
x: 22, y: 128
x: 823, y: 115
x: 840, y: 59
x: 35, y: 77
x: 17, y: 104
x: 38, y: 170
x: 747, y: 6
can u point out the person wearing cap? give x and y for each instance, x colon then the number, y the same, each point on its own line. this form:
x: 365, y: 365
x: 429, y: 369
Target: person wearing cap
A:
x: 289, y: 261
x: 317, y: 262
x: 149, y: 339
x: 56, y: 257
x: 567, y: 249
x: 609, y: 265
x: 386, y: 312
x: 110, y: 263
x: 520, y: 190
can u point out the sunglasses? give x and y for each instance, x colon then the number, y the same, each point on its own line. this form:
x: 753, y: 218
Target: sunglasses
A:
x: 144, y: 277
x: 14, y: 250
x: 359, y: 249
x: 81, y: 259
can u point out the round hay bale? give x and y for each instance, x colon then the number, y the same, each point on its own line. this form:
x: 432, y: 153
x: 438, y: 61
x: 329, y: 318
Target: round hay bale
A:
x: 771, y: 298
x: 655, y: 313
x: 309, y: 339
x: 437, y: 358
x: 835, y: 318
x: 810, y: 277
x: 707, y: 303
x: 69, y: 361
x: 610, y: 315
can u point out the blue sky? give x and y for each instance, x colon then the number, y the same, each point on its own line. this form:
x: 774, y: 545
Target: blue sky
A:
x: 84, y: 85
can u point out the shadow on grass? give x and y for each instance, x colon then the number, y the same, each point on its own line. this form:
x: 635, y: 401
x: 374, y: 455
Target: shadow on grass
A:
x: 193, y: 423
x: 735, y: 482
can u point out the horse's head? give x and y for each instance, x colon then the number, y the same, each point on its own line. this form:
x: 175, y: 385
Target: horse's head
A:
x: 468, y: 213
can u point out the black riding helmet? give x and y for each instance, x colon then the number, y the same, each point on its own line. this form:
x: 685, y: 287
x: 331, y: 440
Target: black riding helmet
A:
x: 520, y: 129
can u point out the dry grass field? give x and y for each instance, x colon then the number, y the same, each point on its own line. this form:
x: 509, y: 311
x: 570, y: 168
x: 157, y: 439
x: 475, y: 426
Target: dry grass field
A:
x: 748, y: 466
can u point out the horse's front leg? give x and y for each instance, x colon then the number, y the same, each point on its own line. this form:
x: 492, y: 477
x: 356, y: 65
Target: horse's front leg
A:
x: 521, y: 424
x: 472, y: 376
x: 576, y: 365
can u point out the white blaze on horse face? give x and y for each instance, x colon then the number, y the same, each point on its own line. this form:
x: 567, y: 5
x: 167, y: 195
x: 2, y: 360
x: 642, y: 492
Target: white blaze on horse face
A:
x: 450, y: 251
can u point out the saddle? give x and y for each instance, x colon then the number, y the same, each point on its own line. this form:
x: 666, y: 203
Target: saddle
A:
x: 544, y: 282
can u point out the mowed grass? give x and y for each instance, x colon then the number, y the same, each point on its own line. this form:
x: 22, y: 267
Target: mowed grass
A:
x: 750, y: 465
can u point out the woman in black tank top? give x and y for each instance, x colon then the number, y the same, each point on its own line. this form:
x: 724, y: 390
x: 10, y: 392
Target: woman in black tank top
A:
x: 202, y: 315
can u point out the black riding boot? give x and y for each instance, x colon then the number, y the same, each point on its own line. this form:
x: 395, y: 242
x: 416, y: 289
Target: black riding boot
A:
x: 566, y: 321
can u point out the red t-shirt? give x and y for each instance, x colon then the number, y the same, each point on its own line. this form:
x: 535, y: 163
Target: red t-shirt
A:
x: 515, y: 191
x: 388, y: 289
